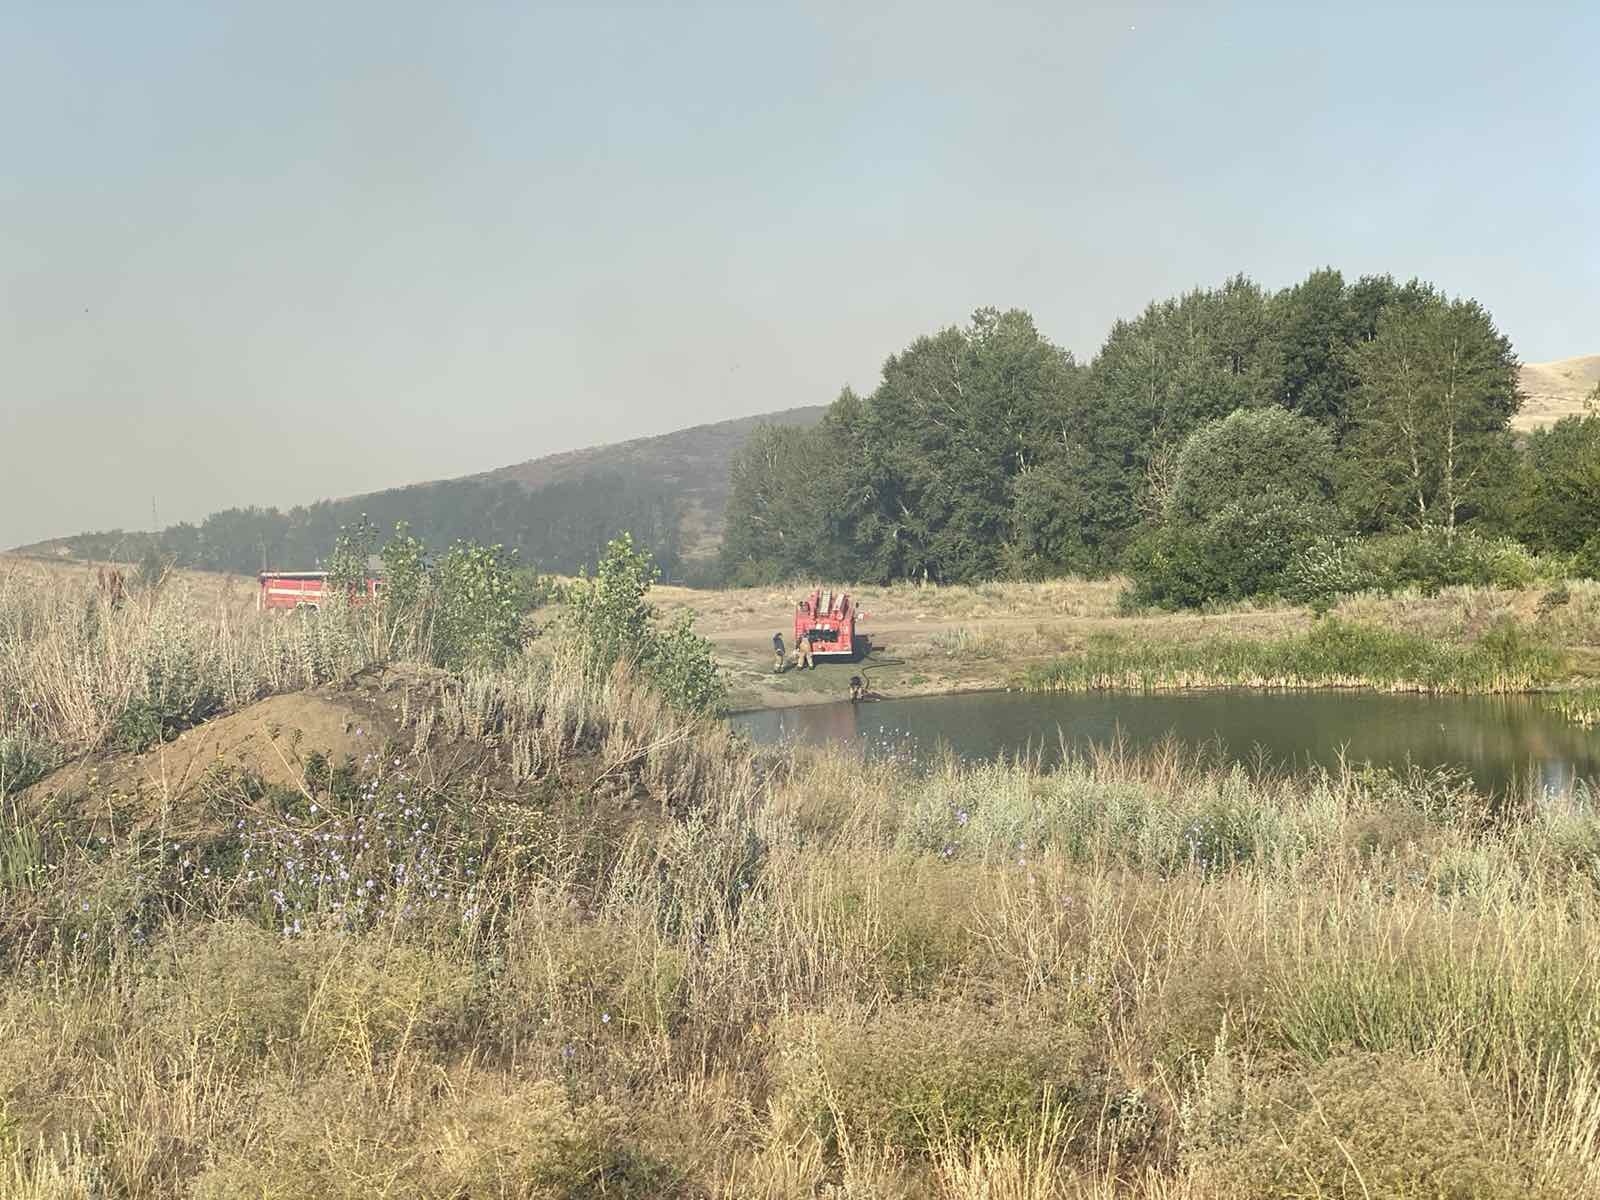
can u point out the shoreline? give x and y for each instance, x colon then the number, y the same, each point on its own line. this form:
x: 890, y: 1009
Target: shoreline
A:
x: 1198, y: 689
x: 1070, y: 635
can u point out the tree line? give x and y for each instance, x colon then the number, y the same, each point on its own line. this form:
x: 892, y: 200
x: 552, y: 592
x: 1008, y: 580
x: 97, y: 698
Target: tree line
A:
x: 559, y: 527
x: 1216, y: 446
x: 1231, y: 441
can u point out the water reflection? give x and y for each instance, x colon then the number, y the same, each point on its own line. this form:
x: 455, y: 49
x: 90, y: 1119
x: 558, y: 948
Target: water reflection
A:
x: 1499, y: 741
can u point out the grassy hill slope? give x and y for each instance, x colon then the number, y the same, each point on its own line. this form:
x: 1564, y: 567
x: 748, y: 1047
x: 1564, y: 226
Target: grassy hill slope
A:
x: 1556, y: 389
x: 691, y: 464
x: 557, y: 511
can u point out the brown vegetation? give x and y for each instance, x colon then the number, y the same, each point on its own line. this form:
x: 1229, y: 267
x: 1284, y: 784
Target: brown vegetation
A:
x: 617, y: 953
x: 1556, y: 389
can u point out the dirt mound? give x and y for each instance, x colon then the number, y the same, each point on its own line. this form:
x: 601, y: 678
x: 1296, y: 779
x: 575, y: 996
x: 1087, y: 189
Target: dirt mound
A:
x: 272, y: 740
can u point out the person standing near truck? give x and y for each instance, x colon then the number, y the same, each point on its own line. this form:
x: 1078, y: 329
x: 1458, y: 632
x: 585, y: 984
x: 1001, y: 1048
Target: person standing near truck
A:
x: 777, y: 652
x: 802, y: 652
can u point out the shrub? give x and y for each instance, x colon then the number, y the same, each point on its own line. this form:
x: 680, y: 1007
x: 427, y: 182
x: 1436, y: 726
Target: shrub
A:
x: 1586, y: 562
x: 404, y: 572
x: 477, y: 611
x: 1240, y: 550
x: 1325, y: 569
x: 179, y: 683
x: 681, y: 665
x: 352, y: 550
x: 1251, y: 491
x: 609, y: 612
x: 1433, y: 558
x: 613, y: 623
x: 919, y: 1073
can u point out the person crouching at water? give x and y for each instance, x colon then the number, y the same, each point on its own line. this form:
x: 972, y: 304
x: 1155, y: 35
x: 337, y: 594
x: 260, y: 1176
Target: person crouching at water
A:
x: 777, y: 653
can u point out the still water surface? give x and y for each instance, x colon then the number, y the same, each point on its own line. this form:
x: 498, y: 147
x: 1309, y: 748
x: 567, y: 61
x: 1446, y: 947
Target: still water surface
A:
x: 1498, y: 740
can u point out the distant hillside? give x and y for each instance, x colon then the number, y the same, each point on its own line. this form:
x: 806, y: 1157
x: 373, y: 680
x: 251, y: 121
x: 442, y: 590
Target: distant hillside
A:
x: 1556, y: 389
x: 671, y: 490
x: 557, y: 512
x: 690, y: 464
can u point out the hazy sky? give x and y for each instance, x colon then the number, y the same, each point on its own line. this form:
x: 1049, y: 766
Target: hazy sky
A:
x: 270, y: 252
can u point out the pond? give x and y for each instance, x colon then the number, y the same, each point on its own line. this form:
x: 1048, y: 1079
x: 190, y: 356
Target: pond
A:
x: 1498, y: 740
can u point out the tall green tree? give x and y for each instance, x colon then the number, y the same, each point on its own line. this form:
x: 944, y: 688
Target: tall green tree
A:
x: 1437, y: 388
x: 1052, y: 506
x: 1181, y: 363
x: 956, y: 418
x: 1315, y: 325
x: 794, y: 495
x: 1561, y: 508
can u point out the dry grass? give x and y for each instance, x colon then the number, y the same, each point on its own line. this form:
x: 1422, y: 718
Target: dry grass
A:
x: 720, y: 611
x: 620, y: 954
x: 1556, y: 389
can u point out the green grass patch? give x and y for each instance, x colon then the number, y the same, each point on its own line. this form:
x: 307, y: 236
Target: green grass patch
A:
x: 1581, y: 707
x: 1334, y: 653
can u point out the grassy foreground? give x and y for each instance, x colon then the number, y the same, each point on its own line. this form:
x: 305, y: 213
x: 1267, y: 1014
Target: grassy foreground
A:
x: 618, y: 953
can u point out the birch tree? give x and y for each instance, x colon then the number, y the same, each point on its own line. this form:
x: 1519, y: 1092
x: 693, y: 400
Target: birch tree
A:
x: 1437, y: 387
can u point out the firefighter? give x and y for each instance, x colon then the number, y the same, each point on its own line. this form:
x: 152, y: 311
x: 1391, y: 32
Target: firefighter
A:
x: 777, y: 654
x: 858, y: 689
x: 802, y: 652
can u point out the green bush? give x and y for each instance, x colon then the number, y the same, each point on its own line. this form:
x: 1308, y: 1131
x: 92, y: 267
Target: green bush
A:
x: 1586, y: 562
x: 1432, y: 558
x: 609, y: 611
x: 614, y: 623
x: 476, y: 606
x: 1251, y: 492
x: 1241, y: 550
x: 352, y: 550
x: 404, y: 571
x: 681, y: 665
x: 1325, y: 569
x: 139, y: 727
x: 180, y: 684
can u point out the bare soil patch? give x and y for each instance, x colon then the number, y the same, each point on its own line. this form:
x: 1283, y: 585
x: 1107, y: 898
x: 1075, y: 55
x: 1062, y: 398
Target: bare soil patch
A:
x: 274, y: 742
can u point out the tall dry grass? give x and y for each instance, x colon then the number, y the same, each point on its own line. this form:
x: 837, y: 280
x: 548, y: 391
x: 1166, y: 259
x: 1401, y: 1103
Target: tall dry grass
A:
x: 71, y: 663
x: 631, y: 956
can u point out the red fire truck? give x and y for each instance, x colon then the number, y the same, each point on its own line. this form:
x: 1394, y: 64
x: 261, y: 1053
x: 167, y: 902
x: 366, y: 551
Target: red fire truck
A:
x: 828, y: 621
x: 289, y: 590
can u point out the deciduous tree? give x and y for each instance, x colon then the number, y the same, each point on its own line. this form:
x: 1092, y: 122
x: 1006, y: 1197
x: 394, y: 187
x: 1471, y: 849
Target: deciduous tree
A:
x: 1437, y: 387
